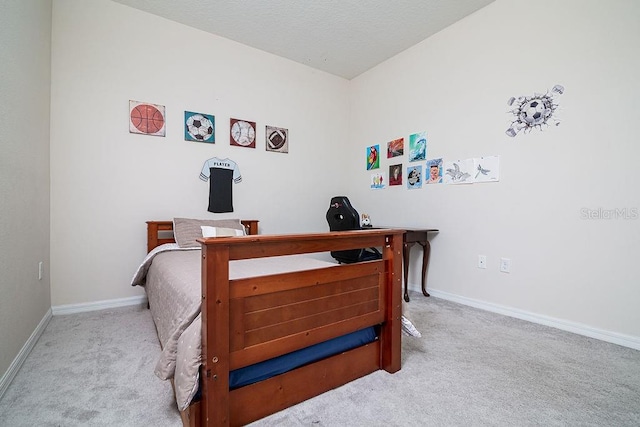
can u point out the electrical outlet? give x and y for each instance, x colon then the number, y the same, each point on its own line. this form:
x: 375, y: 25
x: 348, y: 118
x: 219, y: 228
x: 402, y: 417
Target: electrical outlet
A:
x: 40, y: 270
x: 505, y: 265
x: 482, y: 261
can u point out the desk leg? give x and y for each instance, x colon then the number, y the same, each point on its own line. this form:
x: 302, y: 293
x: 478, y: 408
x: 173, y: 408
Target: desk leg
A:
x: 426, y: 252
x: 406, y: 248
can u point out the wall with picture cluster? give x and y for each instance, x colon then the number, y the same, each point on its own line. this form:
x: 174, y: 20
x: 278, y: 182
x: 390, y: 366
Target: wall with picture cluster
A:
x: 106, y: 182
x: 565, y: 210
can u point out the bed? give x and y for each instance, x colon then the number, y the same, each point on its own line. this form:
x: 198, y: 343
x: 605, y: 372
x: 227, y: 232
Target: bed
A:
x: 263, y: 298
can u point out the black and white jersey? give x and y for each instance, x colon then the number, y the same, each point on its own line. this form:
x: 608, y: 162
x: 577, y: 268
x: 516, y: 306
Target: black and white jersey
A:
x: 220, y: 173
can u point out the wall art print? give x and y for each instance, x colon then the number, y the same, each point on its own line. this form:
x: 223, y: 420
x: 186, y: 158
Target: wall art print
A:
x: 395, y: 148
x: 434, y: 169
x: 487, y: 169
x: 277, y: 139
x: 377, y: 181
x: 458, y: 172
x: 199, y: 127
x: 146, y: 118
x: 242, y: 133
x: 414, y: 177
x: 418, y: 146
x: 395, y: 174
x: 373, y: 157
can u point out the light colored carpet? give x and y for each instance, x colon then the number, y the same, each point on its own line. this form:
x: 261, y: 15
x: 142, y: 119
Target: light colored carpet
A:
x: 469, y: 368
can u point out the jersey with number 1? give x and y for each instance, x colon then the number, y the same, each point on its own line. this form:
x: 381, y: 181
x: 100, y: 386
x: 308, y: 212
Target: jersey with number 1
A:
x: 221, y: 173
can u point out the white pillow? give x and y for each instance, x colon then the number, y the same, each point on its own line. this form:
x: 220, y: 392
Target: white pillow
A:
x: 208, y: 231
x: 187, y: 230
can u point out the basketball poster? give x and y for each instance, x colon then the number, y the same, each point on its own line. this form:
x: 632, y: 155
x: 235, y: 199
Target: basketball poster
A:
x: 277, y: 139
x: 145, y: 118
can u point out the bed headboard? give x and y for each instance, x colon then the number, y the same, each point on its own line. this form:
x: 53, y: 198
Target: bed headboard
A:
x: 161, y: 232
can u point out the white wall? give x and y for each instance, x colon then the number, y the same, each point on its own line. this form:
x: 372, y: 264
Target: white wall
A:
x: 25, y: 53
x: 106, y: 182
x: 455, y: 86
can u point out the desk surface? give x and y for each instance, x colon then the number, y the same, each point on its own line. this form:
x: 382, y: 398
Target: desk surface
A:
x: 407, y: 229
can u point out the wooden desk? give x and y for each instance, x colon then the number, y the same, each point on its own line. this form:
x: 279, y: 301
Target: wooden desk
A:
x: 411, y: 237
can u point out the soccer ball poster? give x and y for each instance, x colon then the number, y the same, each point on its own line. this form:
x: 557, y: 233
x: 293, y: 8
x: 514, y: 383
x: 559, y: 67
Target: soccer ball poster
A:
x: 199, y: 127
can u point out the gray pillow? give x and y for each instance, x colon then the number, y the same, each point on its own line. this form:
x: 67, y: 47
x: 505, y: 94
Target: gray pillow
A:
x: 187, y: 230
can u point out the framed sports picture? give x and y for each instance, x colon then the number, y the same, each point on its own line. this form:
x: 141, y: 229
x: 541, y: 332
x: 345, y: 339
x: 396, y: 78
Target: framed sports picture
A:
x: 242, y: 133
x: 199, y: 127
x: 147, y: 119
x: 277, y: 139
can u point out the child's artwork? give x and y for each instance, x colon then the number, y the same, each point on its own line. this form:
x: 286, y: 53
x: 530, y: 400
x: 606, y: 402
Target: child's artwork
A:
x: 395, y: 148
x: 373, y: 158
x: 395, y: 175
x: 277, y: 139
x: 199, y: 127
x: 487, y: 169
x: 414, y: 177
x: 458, y: 172
x: 145, y: 118
x: 434, y: 168
x: 418, y: 146
x: 377, y: 181
x: 243, y: 133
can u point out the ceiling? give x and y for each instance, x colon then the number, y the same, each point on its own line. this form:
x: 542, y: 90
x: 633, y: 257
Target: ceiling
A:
x: 341, y: 37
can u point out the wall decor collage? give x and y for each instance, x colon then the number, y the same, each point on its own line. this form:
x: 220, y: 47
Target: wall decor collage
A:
x: 436, y: 170
x: 150, y: 119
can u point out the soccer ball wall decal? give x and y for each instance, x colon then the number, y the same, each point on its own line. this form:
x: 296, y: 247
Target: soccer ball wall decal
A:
x: 534, y: 111
x: 199, y: 127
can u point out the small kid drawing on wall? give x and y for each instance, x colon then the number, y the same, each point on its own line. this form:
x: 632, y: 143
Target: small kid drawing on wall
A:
x: 395, y: 174
x: 435, y: 171
x: 456, y: 174
x: 414, y: 177
x: 417, y: 146
x: 373, y: 160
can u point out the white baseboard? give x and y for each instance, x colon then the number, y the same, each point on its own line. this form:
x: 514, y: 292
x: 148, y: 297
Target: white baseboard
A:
x: 577, y: 328
x: 98, y: 305
x: 15, y: 366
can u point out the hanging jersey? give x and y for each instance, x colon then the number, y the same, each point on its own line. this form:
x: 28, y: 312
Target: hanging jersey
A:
x: 221, y: 173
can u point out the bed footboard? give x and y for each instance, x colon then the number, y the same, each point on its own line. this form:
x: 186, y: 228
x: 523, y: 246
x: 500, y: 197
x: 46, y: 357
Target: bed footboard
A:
x: 250, y: 320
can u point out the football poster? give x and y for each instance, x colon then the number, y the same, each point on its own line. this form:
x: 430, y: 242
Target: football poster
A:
x: 277, y: 139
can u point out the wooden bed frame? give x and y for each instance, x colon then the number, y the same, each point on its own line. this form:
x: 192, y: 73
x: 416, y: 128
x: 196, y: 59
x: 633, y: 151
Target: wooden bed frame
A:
x: 249, y: 320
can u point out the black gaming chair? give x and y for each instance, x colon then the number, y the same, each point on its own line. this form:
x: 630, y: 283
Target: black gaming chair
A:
x: 341, y: 216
